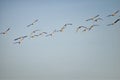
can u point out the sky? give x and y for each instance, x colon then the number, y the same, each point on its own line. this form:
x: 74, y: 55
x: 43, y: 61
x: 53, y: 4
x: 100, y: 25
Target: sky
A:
x: 67, y: 55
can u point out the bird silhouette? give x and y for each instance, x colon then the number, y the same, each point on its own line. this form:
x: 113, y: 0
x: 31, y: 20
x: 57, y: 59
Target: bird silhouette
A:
x: 80, y: 28
x: 19, y: 42
x: 5, y: 32
x: 65, y: 25
x: 33, y: 33
x: 20, y: 39
x: 62, y: 29
x: 97, y: 19
x: 113, y: 14
x: 34, y: 36
x: 51, y: 34
x: 117, y: 20
x: 32, y: 23
x: 43, y: 33
x: 114, y: 22
x: 84, y: 30
x: 92, y: 18
x: 91, y: 27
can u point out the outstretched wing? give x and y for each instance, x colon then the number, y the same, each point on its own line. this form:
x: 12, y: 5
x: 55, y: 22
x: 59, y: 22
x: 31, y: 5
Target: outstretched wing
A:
x: 98, y: 19
x: 96, y: 16
x: 68, y: 24
x: 24, y: 36
x: 89, y: 19
x: 117, y: 20
x: 48, y: 35
x: 7, y: 29
x: 111, y: 24
x: 35, y: 21
x: 109, y: 15
x: 29, y: 25
x: 116, y: 12
x: 17, y: 39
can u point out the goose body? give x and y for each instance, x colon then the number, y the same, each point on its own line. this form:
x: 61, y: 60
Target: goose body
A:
x: 113, y: 14
x: 32, y: 23
x: 5, y: 32
x: 92, y: 18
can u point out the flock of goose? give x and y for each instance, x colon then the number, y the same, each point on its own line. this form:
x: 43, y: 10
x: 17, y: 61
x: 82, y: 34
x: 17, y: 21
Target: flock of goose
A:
x: 37, y: 32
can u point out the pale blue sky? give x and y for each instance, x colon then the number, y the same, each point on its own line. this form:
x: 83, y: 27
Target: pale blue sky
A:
x: 93, y: 55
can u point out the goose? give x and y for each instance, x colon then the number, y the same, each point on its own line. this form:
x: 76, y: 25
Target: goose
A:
x: 80, y: 27
x: 51, y: 34
x: 35, y: 21
x: 113, y: 14
x: 117, y: 20
x: 96, y: 20
x: 43, y: 33
x: 62, y: 29
x: 84, y: 30
x: 114, y: 22
x: 92, y: 18
x: 91, y: 27
x: 5, y: 32
x: 19, y: 42
x: 67, y: 24
x: 22, y: 37
x: 32, y: 23
x: 34, y: 36
x: 35, y: 31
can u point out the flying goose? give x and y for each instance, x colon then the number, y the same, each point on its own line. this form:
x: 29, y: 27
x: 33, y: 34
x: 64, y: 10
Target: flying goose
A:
x: 32, y: 36
x: 43, y: 33
x: 34, y: 31
x: 32, y: 23
x: 113, y: 14
x: 92, y: 18
x: 80, y: 27
x: 19, y: 42
x: 91, y: 27
x: 51, y: 34
x: 84, y: 30
x: 62, y: 29
x: 65, y: 25
x: 114, y: 22
x: 97, y: 19
x: 20, y: 39
x: 5, y: 32
x: 117, y: 20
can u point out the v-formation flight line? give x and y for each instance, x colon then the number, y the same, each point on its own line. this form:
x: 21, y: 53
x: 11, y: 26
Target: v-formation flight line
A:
x: 37, y: 32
